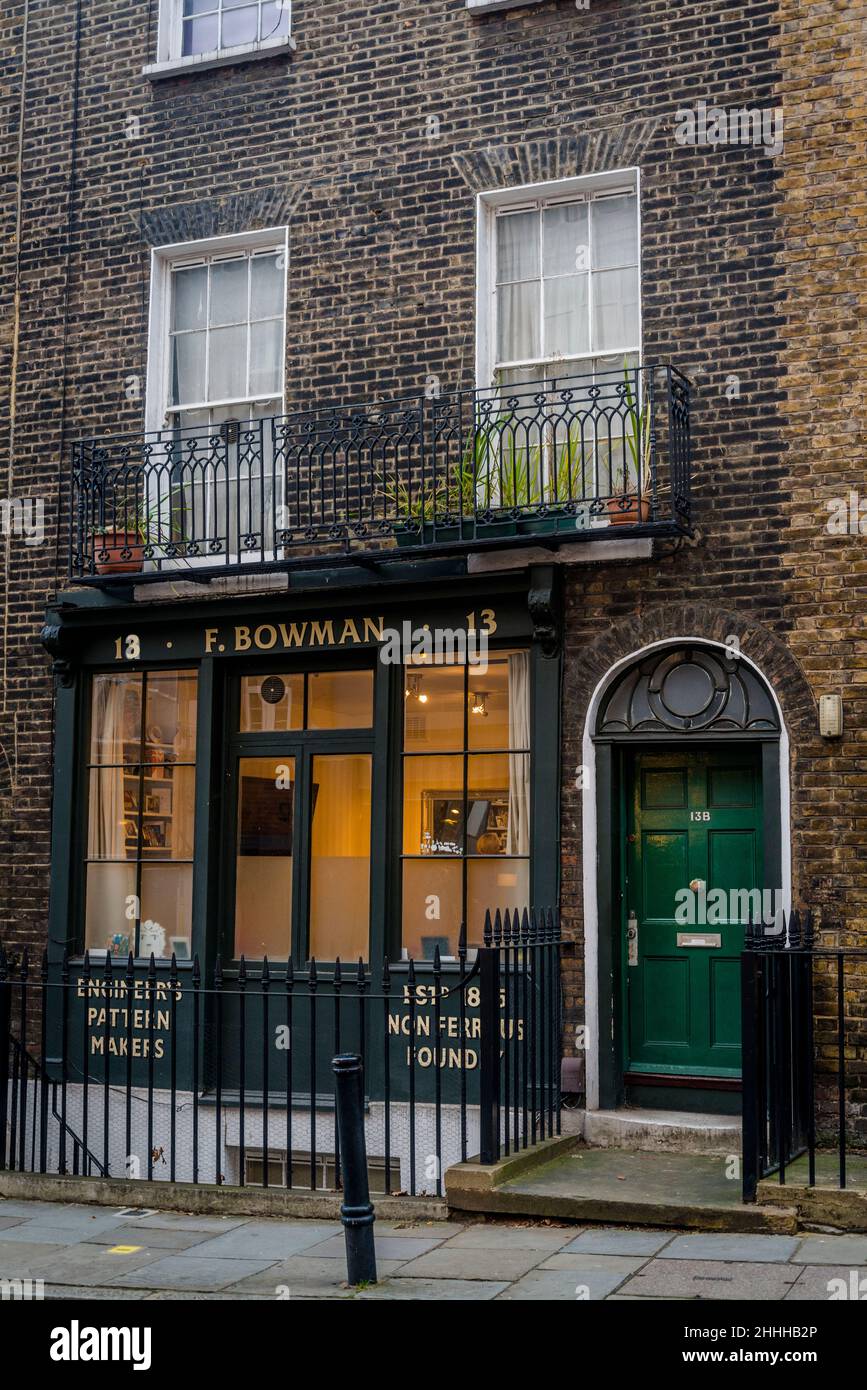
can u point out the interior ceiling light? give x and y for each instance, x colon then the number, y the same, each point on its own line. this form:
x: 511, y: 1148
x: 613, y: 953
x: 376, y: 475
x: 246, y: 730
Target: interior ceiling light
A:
x: 414, y: 691
x: 480, y: 703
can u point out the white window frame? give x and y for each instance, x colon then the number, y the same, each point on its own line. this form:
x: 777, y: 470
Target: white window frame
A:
x: 158, y: 409
x: 163, y: 260
x: 170, y: 57
x: 524, y: 198
x: 488, y: 6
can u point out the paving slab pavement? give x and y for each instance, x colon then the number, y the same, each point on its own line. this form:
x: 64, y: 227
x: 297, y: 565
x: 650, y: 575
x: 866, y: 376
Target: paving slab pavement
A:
x: 102, y: 1254
x: 714, y: 1279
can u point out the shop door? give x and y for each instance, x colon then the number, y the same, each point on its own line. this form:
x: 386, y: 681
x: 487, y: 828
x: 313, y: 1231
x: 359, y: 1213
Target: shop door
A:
x: 298, y: 831
x: 694, y: 823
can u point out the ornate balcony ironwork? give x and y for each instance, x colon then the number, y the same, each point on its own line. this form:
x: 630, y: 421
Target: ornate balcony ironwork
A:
x: 571, y: 458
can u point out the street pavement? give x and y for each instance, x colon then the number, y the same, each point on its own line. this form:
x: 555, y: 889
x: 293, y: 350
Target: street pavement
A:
x: 89, y: 1252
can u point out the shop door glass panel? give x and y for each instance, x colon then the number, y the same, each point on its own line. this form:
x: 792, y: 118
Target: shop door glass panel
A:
x: 264, y: 857
x: 340, y: 856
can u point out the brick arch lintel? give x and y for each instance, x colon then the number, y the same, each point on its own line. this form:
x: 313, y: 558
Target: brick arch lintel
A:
x: 671, y: 622
x: 542, y: 161
x: 220, y: 216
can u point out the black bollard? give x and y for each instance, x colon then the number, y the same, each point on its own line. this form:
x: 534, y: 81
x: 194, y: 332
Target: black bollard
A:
x: 356, y: 1211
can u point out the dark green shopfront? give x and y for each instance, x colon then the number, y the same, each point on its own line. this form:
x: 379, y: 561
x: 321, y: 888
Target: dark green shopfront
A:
x: 354, y: 774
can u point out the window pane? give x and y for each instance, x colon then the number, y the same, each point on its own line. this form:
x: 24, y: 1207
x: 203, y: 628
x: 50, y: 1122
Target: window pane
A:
x: 434, y: 709
x: 228, y: 364
x: 106, y: 925
x: 518, y: 322
x: 499, y: 704
x: 271, y: 702
x: 113, y: 813
x: 115, y: 729
x: 433, y: 812
x: 188, y: 368
x: 615, y: 231
x: 565, y: 233
x: 340, y: 700
x: 432, y: 907
x: 566, y: 326
x: 494, y: 884
x: 340, y: 857
x: 200, y: 6
x: 615, y: 308
x: 263, y: 881
x: 200, y: 35
x: 168, y: 804
x: 229, y: 284
x: 275, y: 19
x: 266, y: 299
x: 498, y: 810
x: 190, y: 289
x: 240, y: 26
x: 170, y: 718
x: 266, y: 357
x: 166, y: 911
x: 518, y: 247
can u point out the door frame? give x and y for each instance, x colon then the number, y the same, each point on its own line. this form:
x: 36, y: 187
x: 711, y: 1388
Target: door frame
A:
x: 602, y: 793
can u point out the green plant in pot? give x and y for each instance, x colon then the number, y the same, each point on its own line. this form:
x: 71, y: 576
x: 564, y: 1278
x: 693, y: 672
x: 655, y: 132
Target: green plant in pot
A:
x: 121, y: 547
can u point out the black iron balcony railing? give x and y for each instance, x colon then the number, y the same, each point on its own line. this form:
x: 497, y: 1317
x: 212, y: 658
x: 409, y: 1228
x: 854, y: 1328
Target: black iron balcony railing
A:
x: 550, y: 461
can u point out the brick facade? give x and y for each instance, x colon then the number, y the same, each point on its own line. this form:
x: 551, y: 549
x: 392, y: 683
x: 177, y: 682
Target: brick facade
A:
x: 371, y: 141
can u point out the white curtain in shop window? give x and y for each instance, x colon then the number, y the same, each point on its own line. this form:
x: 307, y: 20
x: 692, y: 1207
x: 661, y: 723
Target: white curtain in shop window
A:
x: 518, y: 838
x: 105, y: 832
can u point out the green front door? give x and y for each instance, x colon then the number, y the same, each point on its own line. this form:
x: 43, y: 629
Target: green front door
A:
x: 694, y: 825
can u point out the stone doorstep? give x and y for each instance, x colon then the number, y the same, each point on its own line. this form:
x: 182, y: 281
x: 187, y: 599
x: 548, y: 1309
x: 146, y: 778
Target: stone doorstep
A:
x: 667, y: 1131
x: 471, y: 1187
x: 593, y: 1210
x: 207, y: 1198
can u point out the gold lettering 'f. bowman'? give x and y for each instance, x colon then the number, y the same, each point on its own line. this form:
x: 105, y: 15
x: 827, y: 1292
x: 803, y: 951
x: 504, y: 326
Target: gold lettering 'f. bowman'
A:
x: 314, y: 632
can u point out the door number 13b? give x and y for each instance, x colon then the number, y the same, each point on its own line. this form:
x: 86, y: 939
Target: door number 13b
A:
x: 699, y: 815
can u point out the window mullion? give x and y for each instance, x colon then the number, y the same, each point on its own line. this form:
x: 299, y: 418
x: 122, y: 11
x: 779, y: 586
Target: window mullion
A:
x: 208, y: 331
x: 248, y: 328
x: 541, y: 268
x: 591, y: 258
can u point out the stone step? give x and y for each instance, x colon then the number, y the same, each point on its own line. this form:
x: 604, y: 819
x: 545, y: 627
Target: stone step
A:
x: 617, y: 1187
x: 665, y: 1131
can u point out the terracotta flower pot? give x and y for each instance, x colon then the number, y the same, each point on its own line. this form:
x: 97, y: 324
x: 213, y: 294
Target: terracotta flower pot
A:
x: 637, y: 511
x: 124, y: 552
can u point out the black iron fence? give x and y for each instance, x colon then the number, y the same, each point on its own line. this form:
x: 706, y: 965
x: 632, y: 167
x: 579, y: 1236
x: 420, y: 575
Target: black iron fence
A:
x: 564, y: 458
x: 805, y: 1058
x: 114, y: 1069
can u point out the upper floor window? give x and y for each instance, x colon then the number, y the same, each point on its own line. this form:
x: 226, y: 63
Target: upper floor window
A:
x: 217, y: 333
x: 209, y: 25
x: 209, y: 33
x: 559, y: 281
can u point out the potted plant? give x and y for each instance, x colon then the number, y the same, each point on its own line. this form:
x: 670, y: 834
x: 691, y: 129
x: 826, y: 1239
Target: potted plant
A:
x: 120, y: 549
x: 628, y: 507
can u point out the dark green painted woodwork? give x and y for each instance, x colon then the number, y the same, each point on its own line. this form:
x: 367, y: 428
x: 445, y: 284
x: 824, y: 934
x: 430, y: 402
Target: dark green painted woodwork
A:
x: 171, y: 638
x: 692, y: 818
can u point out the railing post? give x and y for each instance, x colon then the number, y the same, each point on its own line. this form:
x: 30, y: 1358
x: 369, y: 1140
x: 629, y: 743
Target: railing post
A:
x: 5, y: 1040
x: 356, y: 1209
x: 489, y: 1052
x: 751, y: 987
